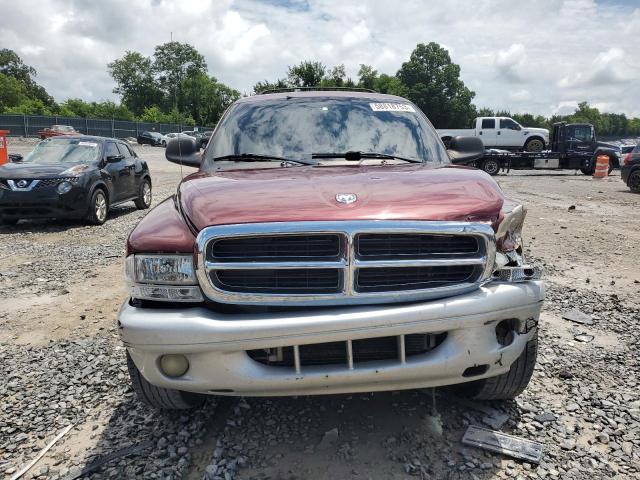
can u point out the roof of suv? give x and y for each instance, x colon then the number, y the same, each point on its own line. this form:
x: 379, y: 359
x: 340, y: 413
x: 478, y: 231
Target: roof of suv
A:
x: 379, y: 97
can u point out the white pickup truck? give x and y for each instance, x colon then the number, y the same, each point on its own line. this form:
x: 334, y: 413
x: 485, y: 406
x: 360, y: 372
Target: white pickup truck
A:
x: 501, y: 132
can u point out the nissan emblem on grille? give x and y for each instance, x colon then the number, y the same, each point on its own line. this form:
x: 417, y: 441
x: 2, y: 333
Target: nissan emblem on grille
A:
x: 346, y: 198
x: 22, y: 183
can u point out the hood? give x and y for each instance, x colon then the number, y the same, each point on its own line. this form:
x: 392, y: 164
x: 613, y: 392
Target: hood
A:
x: 32, y: 170
x: 540, y: 131
x: 402, y: 192
x: 609, y: 145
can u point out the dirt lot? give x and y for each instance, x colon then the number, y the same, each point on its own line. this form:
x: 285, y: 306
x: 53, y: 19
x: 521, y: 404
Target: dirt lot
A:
x: 61, y: 285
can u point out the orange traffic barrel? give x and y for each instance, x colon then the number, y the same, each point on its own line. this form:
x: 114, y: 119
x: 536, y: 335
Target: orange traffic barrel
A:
x: 602, y: 167
x: 4, y: 155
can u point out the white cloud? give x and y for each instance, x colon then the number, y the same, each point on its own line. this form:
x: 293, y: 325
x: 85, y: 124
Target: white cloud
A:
x: 510, y: 60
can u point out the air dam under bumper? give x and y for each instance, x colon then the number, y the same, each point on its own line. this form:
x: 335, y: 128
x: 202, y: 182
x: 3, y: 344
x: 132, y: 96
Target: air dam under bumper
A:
x: 216, y: 344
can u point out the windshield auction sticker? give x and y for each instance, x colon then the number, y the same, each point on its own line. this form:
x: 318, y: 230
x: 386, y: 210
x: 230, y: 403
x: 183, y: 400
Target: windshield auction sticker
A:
x: 391, y: 107
x: 87, y: 144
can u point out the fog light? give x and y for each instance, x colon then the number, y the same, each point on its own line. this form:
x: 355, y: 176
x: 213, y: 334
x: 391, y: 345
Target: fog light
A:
x: 64, y: 187
x: 174, y: 365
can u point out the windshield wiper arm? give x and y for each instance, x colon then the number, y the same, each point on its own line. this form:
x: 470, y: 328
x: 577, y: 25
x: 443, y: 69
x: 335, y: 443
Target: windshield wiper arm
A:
x: 356, y: 156
x: 254, y: 157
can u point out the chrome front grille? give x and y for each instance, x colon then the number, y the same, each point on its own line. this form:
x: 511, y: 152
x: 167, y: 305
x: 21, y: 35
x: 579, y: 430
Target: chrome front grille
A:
x: 359, y: 262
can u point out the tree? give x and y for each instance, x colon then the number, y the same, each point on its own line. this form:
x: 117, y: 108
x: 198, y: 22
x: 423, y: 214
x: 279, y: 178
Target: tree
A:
x: 267, y: 85
x: 12, y: 92
x: 367, y: 76
x: 206, y: 98
x: 306, y: 74
x: 135, y: 82
x: 12, y: 65
x: 433, y: 83
x: 173, y: 63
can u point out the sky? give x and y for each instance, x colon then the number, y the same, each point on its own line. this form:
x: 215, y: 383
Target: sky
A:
x: 538, y: 56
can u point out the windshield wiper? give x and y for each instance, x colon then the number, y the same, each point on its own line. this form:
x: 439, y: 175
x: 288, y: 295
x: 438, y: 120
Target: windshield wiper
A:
x: 254, y: 157
x: 356, y: 156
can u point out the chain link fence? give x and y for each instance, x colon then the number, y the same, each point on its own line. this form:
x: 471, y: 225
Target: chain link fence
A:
x: 30, y: 125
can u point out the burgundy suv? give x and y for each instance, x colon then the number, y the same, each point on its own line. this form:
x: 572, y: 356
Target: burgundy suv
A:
x: 327, y: 245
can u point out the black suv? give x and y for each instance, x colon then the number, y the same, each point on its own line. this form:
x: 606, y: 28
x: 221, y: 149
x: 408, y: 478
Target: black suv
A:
x: 150, y: 138
x: 630, y: 170
x: 73, y: 177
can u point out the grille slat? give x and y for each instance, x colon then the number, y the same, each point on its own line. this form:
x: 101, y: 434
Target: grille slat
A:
x: 276, y: 248
x: 280, y: 281
x: 380, y: 246
x: 411, y: 278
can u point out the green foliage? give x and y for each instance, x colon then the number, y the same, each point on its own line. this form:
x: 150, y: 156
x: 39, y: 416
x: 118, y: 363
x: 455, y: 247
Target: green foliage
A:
x: 31, y: 106
x: 75, y: 107
x: 172, y: 86
x: 306, y: 74
x: 12, y: 65
x: 136, y: 84
x: 433, y: 83
x: 12, y: 92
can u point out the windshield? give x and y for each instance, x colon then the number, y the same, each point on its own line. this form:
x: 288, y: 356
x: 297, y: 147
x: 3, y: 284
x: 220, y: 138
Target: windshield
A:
x: 62, y: 150
x: 298, y: 128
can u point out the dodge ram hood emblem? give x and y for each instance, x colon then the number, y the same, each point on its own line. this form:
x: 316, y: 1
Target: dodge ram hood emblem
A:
x: 346, y: 198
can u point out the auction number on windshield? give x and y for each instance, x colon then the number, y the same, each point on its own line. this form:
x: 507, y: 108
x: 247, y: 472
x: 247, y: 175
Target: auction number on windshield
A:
x: 391, y: 107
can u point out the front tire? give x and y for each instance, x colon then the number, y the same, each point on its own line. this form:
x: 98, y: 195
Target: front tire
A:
x: 634, y: 181
x: 159, y: 397
x: 534, y: 145
x: 144, y: 195
x: 508, y: 385
x: 98, y: 207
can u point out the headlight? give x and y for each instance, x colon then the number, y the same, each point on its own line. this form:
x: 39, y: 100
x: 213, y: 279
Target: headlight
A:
x: 64, y: 187
x: 163, y: 277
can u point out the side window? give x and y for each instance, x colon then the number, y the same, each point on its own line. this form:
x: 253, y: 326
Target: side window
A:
x: 508, y: 123
x: 124, y: 150
x: 488, y: 123
x: 110, y: 150
x: 637, y: 149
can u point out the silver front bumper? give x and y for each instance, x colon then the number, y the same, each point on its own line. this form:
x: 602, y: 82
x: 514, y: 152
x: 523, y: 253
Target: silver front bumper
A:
x: 216, y: 344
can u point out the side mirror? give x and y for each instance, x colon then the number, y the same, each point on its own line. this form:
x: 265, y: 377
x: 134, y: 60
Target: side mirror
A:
x: 15, y: 157
x: 464, y: 150
x: 517, y: 127
x: 183, y: 150
x: 114, y: 158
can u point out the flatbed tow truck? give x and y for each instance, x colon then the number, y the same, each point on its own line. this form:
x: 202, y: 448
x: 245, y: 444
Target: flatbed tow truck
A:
x: 573, y: 147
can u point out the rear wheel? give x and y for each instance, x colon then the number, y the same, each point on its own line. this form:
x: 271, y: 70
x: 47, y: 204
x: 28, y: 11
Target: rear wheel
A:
x: 144, y: 195
x: 158, y: 397
x: 491, y: 166
x: 98, y: 207
x: 634, y: 181
x: 534, y: 145
x: 508, y: 385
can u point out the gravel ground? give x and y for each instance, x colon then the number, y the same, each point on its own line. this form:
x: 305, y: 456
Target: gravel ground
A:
x: 61, y: 285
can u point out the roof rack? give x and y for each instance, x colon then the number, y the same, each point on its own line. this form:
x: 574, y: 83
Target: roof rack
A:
x: 320, y: 89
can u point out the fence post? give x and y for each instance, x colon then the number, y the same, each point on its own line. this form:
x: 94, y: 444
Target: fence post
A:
x: 112, y: 131
x: 26, y: 127
x: 137, y: 132
x: 86, y: 126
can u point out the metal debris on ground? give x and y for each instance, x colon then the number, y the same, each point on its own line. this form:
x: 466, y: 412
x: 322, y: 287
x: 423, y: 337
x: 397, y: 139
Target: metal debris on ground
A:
x: 502, y: 443
x: 42, y: 452
x: 104, y: 459
x: 571, y: 208
x: 578, y: 317
x: 328, y: 439
x: 584, y: 338
x: 496, y: 420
